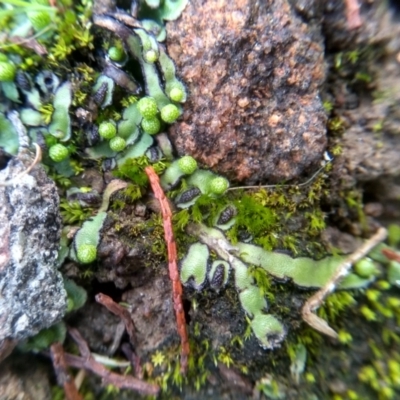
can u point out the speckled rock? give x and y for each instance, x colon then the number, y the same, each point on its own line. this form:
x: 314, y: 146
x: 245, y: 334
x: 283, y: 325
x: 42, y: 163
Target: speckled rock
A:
x: 253, y: 72
x: 32, y: 295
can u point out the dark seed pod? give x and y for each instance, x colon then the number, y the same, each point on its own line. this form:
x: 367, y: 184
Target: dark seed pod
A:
x: 153, y: 153
x: 108, y: 164
x: 189, y: 195
x: 92, y: 135
x: 23, y: 82
x: 226, y: 215
x: 100, y: 95
x: 218, y: 278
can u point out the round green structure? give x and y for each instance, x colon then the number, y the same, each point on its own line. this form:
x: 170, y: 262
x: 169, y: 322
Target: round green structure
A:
x: 58, y: 152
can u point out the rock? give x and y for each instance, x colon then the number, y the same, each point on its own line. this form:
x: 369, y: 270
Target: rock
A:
x: 253, y: 72
x: 32, y: 290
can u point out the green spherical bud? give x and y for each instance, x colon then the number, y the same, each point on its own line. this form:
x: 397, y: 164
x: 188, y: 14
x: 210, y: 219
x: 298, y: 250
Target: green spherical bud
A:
x: 151, y: 126
x: 219, y: 185
x: 147, y: 107
x: 58, y: 152
x: 86, y: 253
x: 150, y: 56
x: 116, y: 53
x: 39, y: 19
x: 107, y: 130
x: 365, y: 268
x: 187, y: 164
x: 176, y: 94
x: 170, y: 113
x: 117, y: 144
x: 7, y: 71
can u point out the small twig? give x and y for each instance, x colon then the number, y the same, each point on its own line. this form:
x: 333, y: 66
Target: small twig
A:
x: 89, y: 363
x: 177, y: 291
x: 134, y: 360
x: 121, y: 312
x: 63, y: 377
x: 6, y: 347
x: 307, y: 182
x: 314, y: 302
x: 119, y: 332
x: 353, y: 14
x: 30, y: 42
x: 110, y: 362
x: 391, y: 254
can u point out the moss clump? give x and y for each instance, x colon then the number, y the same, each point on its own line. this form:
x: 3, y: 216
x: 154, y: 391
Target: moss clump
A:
x: 7, y: 71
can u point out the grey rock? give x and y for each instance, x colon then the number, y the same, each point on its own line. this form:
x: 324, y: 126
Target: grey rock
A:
x: 32, y: 295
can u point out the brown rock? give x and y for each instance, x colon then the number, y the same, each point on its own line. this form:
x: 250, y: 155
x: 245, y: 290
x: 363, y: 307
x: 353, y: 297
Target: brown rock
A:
x: 253, y: 72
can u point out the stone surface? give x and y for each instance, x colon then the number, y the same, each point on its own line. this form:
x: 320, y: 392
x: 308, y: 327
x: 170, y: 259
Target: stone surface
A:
x: 253, y: 72
x: 32, y: 295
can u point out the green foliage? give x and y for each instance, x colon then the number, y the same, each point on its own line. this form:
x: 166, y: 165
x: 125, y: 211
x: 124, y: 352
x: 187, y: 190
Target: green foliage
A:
x: 72, y: 212
x: 45, y: 338
x: 77, y: 296
x: 7, y: 71
x: 133, y: 169
x: 254, y: 217
x: 262, y: 280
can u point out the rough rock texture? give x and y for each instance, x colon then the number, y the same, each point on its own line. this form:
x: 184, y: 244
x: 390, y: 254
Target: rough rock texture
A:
x: 369, y: 111
x: 152, y: 313
x: 253, y: 71
x: 32, y: 295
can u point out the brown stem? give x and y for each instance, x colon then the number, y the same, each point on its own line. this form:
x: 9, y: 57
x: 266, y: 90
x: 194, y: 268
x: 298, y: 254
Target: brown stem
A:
x: 177, y: 291
x: 63, y: 377
x: 89, y: 363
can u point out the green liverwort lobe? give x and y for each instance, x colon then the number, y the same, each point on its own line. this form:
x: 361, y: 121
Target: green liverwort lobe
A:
x: 107, y: 130
x: 170, y: 113
x: 147, y: 106
x: 58, y: 152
